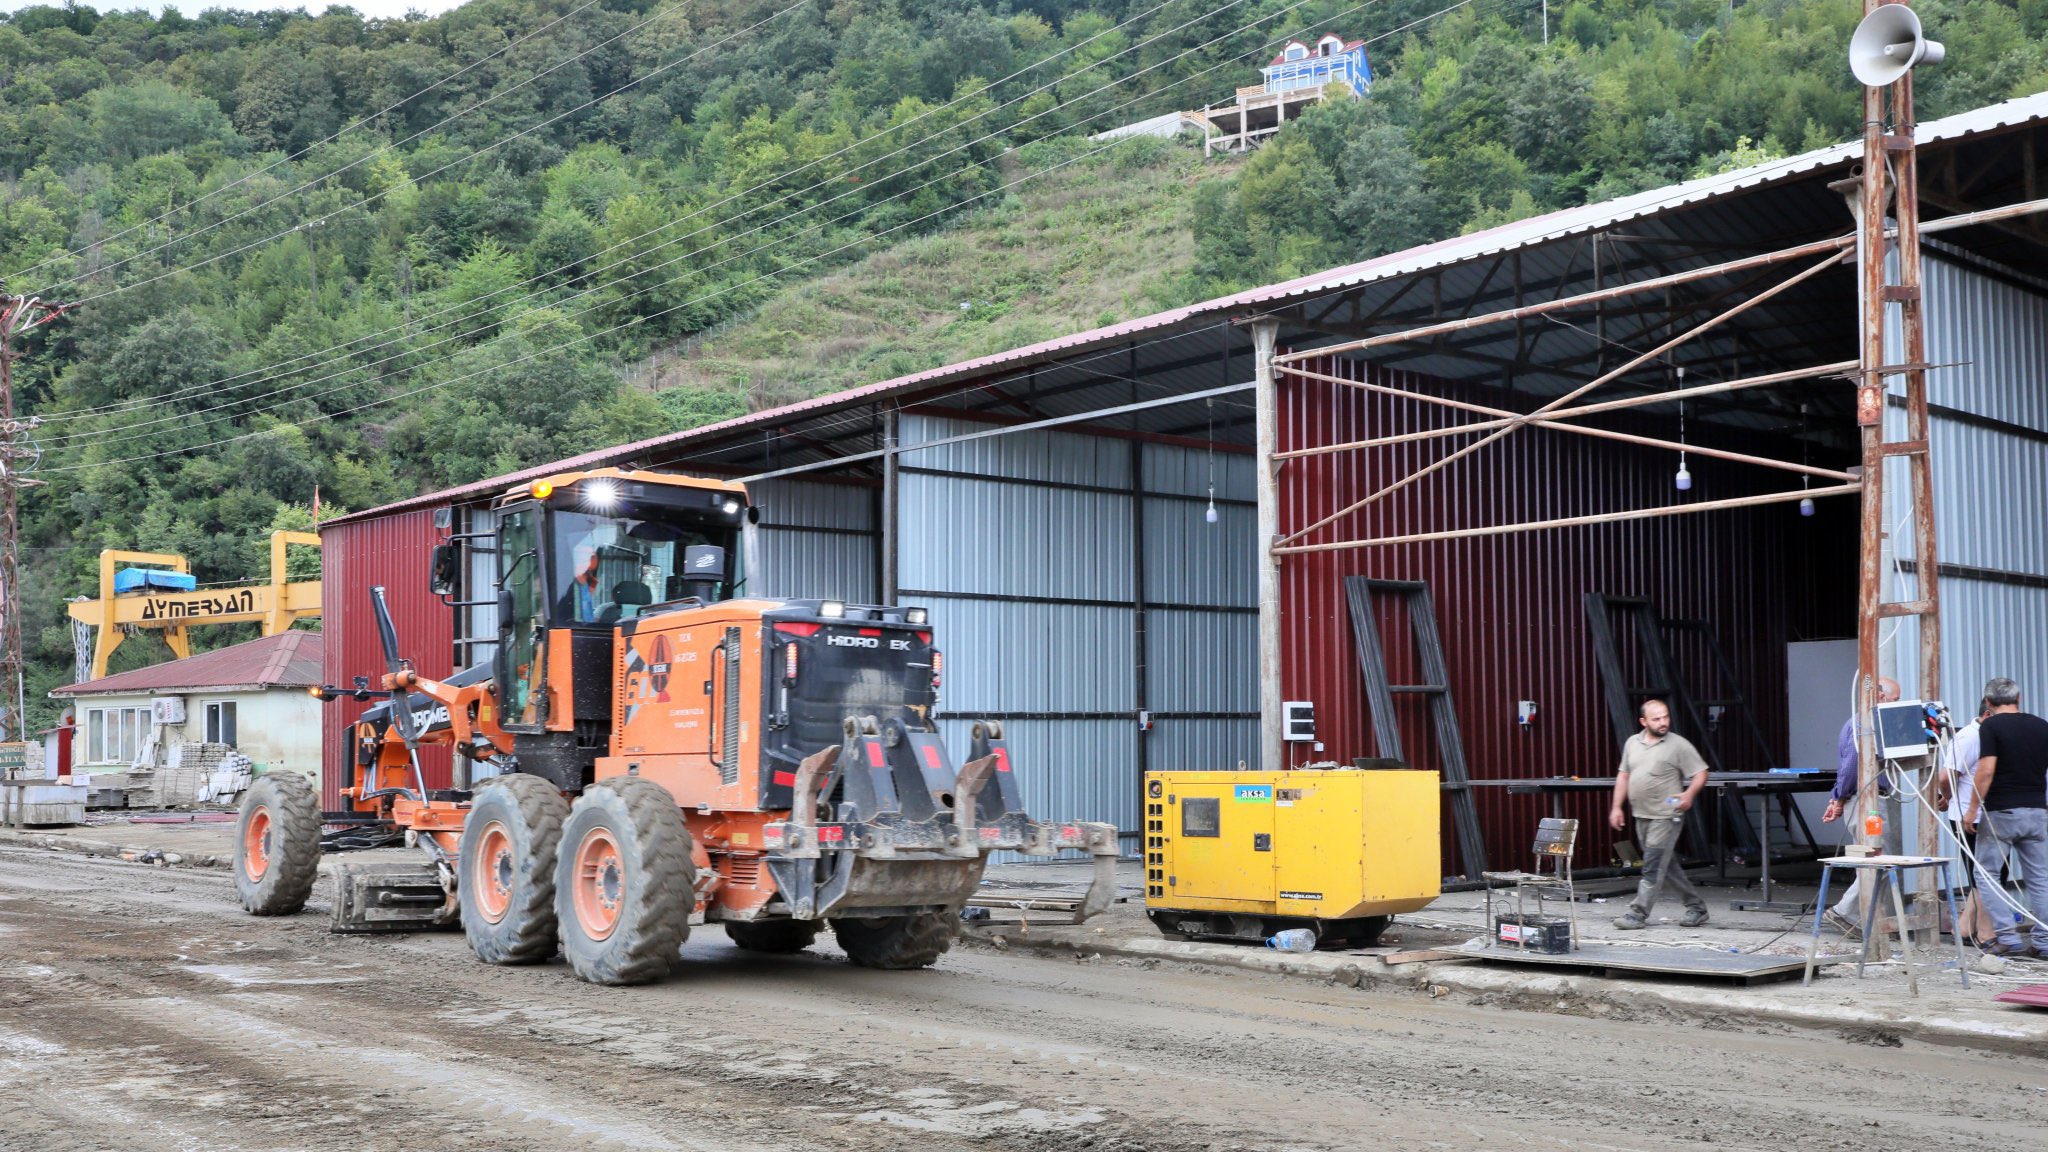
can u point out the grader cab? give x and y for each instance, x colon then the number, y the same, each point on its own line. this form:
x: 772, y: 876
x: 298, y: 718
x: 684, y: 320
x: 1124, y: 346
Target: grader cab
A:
x: 647, y: 751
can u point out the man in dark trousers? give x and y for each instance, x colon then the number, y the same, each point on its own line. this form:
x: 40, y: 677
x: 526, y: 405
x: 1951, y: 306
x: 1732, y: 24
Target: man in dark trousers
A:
x: 2012, y: 801
x: 1661, y: 775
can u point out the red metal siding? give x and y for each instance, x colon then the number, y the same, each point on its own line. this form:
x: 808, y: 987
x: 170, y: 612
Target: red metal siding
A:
x: 392, y: 551
x: 1510, y: 606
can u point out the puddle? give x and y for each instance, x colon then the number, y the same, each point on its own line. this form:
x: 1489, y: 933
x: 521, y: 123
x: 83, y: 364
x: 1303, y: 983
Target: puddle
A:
x: 255, y: 975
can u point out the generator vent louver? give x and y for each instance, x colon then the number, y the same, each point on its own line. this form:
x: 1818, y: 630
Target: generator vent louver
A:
x: 729, y: 730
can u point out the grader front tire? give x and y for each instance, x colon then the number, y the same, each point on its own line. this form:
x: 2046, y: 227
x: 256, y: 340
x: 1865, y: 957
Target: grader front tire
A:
x: 277, y: 844
x: 506, y: 869
x: 624, y: 883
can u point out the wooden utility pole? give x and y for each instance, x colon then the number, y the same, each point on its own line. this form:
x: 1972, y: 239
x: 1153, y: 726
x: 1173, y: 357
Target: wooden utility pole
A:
x: 1888, y: 210
x: 18, y: 457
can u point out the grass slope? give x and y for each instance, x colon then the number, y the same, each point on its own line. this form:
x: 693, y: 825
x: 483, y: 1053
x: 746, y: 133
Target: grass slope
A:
x: 1100, y: 240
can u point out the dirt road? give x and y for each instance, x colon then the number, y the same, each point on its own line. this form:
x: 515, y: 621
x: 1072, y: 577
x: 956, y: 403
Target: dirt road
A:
x: 140, y: 1010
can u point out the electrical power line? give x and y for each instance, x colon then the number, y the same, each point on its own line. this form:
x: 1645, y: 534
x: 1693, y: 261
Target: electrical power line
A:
x: 101, y: 437
x: 412, y: 180
x: 338, y: 134
x: 147, y: 401
x: 688, y: 303
x: 594, y: 288
x: 567, y: 344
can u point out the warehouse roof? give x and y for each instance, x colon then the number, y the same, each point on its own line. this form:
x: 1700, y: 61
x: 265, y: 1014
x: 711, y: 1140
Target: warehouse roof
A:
x: 1371, y: 286
x: 287, y: 660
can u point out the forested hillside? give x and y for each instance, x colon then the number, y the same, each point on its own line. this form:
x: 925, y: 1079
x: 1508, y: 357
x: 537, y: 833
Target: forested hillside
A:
x: 379, y: 257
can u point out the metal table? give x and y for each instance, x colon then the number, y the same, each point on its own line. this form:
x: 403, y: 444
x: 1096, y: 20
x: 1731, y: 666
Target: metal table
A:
x: 1741, y: 784
x: 1888, y: 872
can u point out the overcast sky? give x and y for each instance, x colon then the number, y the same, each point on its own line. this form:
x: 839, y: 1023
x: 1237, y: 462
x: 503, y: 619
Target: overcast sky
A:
x: 371, y: 9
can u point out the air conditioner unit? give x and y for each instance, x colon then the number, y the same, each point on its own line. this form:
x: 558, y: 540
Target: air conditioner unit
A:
x: 167, y: 710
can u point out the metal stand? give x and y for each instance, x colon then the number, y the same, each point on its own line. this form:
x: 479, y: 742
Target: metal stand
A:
x: 1887, y: 875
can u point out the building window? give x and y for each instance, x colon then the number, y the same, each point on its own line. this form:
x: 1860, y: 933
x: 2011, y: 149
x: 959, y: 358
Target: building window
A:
x: 1295, y: 52
x: 220, y: 722
x: 115, y: 735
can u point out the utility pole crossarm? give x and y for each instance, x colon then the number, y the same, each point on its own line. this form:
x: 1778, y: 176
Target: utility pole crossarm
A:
x: 18, y: 456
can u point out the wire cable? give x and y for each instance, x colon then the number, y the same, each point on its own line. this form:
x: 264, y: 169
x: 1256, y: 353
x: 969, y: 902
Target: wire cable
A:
x: 411, y: 179
x: 572, y: 265
x: 567, y: 344
x: 637, y: 320
x: 338, y: 134
x: 100, y: 436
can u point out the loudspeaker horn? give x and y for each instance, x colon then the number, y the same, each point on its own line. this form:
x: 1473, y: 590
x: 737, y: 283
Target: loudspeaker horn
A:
x: 1888, y: 44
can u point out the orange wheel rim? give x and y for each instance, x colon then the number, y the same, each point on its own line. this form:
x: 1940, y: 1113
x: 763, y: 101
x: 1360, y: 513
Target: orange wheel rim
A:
x: 256, y: 845
x: 495, y: 862
x: 600, y: 883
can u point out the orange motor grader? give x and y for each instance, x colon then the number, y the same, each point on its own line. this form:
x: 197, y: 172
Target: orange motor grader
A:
x: 647, y: 751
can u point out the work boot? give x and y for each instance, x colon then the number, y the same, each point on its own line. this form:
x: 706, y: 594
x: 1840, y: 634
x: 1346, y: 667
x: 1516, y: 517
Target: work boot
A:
x: 1847, y: 927
x: 1694, y: 917
x: 1630, y: 922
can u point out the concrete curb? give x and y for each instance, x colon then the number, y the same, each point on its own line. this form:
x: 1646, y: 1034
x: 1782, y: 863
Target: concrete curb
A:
x: 139, y: 854
x: 1999, y: 1030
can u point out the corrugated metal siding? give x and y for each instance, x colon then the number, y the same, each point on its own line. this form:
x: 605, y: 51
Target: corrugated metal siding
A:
x: 1989, y: 483
x: 1003, y: 657
x: 1072, y: 770
x: 480, y: 620
x: 1510, y: 607
x: 814, y: 540
x: 960, y: 532
x: 1020, y: 517
x: 1061, y: 457
x: 392, y: 551
x: 1987, y: 510
x: 1203, y: 661
x: 1994, y: 333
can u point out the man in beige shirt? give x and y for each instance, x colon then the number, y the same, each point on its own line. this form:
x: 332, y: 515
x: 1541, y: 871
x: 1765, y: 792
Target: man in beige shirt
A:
x: 1661, y: 776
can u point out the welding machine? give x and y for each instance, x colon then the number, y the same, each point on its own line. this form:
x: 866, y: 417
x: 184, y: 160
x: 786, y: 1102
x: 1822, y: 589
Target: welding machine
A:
x: 1243, y: 855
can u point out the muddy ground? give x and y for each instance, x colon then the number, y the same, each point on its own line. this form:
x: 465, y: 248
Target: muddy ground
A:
x: 140, y: 1010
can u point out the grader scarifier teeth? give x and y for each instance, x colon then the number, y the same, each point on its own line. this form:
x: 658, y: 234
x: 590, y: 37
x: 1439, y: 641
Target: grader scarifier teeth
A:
x: 909, y: 833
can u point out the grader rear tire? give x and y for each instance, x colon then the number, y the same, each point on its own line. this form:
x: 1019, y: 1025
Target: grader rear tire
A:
x: 896, y: 942
x: 624, y: 883
x: 277, y: 844
x: 506, y: 869
x: 781, y: 936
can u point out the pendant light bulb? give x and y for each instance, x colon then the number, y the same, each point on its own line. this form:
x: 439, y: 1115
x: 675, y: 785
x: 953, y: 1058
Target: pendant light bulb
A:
x: 1806, y: 506
x: 1210, y: 515
x: 1684, y: 477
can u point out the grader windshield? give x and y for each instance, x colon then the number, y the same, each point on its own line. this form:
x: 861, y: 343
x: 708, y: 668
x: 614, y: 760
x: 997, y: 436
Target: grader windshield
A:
x: 593, y: 551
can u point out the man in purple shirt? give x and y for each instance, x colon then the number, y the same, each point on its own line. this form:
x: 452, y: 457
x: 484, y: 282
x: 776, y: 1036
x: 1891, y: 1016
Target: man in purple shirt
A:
x: 1847, y: 770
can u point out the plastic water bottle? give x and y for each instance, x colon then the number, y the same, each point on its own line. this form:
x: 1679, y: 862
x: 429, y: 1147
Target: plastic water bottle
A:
x: 1293, y: 940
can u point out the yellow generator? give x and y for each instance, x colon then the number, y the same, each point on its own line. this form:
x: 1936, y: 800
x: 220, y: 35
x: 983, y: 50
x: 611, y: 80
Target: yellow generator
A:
x: 1244, y: 855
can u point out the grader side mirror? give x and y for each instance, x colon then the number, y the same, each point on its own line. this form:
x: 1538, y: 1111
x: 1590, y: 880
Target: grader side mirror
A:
x: 444, y: 570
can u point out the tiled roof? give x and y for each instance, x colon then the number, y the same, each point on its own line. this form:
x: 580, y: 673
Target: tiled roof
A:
x: 289, y: 660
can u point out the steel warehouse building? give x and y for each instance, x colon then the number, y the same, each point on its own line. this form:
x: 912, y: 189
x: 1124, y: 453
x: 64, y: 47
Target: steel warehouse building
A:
x: 1050, y: 504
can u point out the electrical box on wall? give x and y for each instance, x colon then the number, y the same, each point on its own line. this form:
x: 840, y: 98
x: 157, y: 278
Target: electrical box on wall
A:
x: 1298, y: 721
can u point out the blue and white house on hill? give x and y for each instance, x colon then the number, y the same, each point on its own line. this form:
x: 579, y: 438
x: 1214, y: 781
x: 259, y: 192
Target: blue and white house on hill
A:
x: 1301, y: 74
x: 1331, y: 60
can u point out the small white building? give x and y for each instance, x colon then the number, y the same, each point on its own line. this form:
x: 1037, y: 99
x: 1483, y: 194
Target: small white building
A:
x: 168, y: 725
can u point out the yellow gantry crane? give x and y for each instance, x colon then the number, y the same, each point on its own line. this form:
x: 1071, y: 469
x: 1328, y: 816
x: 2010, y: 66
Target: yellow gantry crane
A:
x: 276, y: 604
